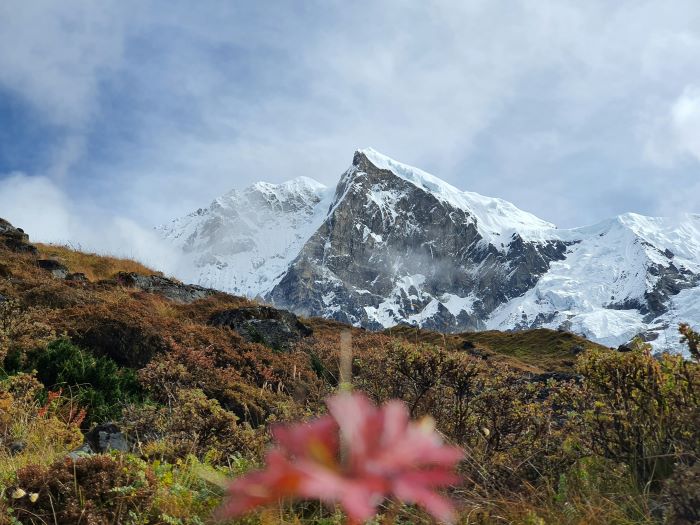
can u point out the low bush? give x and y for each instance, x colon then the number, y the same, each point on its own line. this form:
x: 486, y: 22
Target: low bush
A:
x: 92, y: 490
x: 95, y: 382
x: 643, y: 410
x: 192, y: 424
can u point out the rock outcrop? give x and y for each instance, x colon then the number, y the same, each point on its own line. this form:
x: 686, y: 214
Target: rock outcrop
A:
x: 277, y: 329
x: 15, y: 239
x: 390, y: 252
x: 55, y: 268
x: 168, y: 288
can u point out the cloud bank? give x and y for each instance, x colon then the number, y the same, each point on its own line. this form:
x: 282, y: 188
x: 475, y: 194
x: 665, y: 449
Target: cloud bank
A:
x: 44, y: 211
x: 124, y: 114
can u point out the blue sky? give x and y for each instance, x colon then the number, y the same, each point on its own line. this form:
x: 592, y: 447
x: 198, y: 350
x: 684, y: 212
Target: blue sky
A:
x: 119, y: 115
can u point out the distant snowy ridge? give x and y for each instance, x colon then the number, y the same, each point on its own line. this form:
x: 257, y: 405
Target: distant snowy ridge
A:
x: 246, y: 239
x: 393, y: 244
x: 601, y: 289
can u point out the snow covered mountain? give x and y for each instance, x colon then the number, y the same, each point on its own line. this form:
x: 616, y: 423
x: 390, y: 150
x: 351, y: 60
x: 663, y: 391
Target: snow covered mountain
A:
x: 393, y: 244
x: 245, y: 240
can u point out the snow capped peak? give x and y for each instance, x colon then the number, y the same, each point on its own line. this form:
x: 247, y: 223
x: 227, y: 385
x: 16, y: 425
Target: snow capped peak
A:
x: 418, y: 177
x: 496, y: 219
x: 679, y: 235
x: 298, y: 186
x: 295, y: 194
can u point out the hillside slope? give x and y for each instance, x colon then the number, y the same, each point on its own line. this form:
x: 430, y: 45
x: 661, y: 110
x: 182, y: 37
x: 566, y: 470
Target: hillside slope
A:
x: 130, y: 397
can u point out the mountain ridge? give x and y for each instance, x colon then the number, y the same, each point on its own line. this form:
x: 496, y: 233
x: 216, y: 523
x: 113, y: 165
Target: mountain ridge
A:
x: 392, y: 244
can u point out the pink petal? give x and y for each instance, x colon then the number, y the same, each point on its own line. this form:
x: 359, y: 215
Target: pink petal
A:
x: 259, y: 488
x: 359, y: 497
x: 359, y: 503
x: 360, y: 425
x: 316, y: 437
x: 354, y: 414
x: 440, y: 507
x: 395, y: 421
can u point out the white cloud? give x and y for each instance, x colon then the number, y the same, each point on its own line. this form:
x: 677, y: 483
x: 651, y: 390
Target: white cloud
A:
x: 685, y: 118
x: 540, y: 102
x: 674, y: 134
x: 54, y: 54
x: 38, y: 206
x: 47, y: 214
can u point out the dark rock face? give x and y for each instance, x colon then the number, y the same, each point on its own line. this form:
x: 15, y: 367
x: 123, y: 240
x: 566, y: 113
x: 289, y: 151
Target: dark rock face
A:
x: 671, y: 281
x: 15, y: 239
x: 58, y: 270
x: 277, y: 329
x: 382, y: 235
x: 168, y: 288
x: 101, y: 440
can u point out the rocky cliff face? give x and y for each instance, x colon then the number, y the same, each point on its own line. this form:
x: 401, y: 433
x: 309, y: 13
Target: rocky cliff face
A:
x: 390, y: 252
x: 393, y: 245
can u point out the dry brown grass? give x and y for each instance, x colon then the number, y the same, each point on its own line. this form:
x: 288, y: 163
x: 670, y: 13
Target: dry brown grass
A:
x: 93, y: 265
x: 539, y: 350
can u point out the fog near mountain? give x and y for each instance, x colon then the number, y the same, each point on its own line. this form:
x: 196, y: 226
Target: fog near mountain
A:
x: 392, y: 244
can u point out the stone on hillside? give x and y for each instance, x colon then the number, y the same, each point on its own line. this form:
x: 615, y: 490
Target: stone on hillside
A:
x: 17, y: 447
x: 102, y: 439
x: 77, y: 277
x: 106, y: 437
x: 15, y: 239
x: 55, y: 268
x: 277, y: 329
x: 168, y: 288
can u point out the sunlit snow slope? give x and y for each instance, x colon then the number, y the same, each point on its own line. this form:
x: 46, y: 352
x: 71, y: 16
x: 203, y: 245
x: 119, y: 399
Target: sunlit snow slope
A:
x: 245, y: 240
x: 622, y: 277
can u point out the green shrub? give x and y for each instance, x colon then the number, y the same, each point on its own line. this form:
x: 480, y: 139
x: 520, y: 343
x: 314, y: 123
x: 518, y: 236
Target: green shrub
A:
x: 96, y: 382
x: 643, y: 410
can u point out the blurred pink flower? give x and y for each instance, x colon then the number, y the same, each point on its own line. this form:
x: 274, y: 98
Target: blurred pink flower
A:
x: 357, y: 456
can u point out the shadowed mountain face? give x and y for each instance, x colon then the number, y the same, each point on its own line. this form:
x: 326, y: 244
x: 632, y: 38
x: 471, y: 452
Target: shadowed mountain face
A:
x: 395, y: 245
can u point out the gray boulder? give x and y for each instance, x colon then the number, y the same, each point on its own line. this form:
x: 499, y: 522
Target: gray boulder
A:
x: 168, y: 288
x: 55, y: 268
x: 102, y: 439
x: 277, y: 329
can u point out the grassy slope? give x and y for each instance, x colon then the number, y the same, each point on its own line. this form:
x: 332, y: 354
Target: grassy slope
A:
x: 94, y: 266
x: 226, y: 367
x: 539, y: 350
